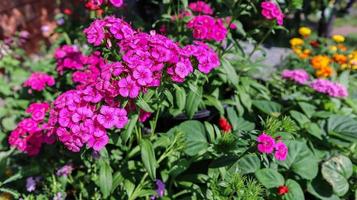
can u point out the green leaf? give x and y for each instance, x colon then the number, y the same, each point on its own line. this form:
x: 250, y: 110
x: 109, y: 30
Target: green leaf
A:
x: 129, y: 128
x: 343, y: 127
x: 229, y: 71
x: 295, y: 191
x: 144, y: 105
x: 299, y: 117
x: 321, y: 189
x: 233, y: 117
x: 180, y: 98
x: 105, y: 177
x: 212, y: 101
x: 195, y: 135
x: 268, y: 107
x: 193, y: 100
x: 301, y: 160
x: 13, y: 178
x: 148, y: 157
x: 269, y: 178
x: 247, y: 164
x: 245, y: 99
x: 117, y: 180
x: 336, y: 171
x: 9, y: 123
x: 297, y: 4
x: 244, y: 125
x: 308, y: 109
x: 13, y: 192
x: 314, y: 130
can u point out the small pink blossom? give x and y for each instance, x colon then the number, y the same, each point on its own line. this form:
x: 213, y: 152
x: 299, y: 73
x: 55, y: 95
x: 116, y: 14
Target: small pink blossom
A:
x: 298, y: 75
x: 272, y: 11
x: 38, y: 81
x: 266, y: 143
x: 201, y: 7
x: 281, y: 151
x: 38, y: 110
x: 116, y: 3
x: 128, y: 87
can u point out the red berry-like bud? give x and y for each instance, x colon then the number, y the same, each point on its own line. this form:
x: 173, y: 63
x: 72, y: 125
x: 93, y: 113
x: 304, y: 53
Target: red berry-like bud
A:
x: 282, y: 190
x: 224, y: 125
x: 314, y: 43
x: 67, y: 11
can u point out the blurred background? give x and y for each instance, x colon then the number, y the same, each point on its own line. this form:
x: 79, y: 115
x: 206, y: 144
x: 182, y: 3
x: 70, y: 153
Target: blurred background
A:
x: 35, y: 21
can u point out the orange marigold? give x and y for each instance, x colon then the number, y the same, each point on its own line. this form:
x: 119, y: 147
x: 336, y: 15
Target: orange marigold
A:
x: 342, y: 47
x: 324, y: 72
x: 320, y: 61
x: 340, y: 59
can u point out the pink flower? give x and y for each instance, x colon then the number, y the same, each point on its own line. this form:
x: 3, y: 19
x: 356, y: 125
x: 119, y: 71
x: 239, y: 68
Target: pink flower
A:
x: 266, y: 143
x: 143, y: 115
x: 272, y: 11
x: 201, y: 7
x: 106, y: 117
x: 142, y: 75
x: 207, y: 27
x: 116, y: 3
x: 29, y: 125
x: 38, y: 81
x: 122, y: 118
x: 95, y: 32
x: 206, y: 57
x: 38, y: 110
x: 330, y: 88
x: 281, y: 151
x: 68, y: 57
x: 98, y: 140
x: 298, y: 75
x: 128, y: 87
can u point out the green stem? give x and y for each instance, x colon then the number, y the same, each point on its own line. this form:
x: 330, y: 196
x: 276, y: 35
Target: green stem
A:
x: 261, y: 41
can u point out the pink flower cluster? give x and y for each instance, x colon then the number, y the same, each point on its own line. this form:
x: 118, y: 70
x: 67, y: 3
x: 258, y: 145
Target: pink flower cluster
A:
x: 77, y: 119
x: 330, y: 88
x: 68, y: 57
x: 298, y: 75
x: 38, y: 81
x: 108, y: 28
x: 267, y: 144
x: 145, y: 58
x: 201, y: 7
x: 29, y: 134
x: 90, y: 70
x: 207, y: 28
x: 272, y: 11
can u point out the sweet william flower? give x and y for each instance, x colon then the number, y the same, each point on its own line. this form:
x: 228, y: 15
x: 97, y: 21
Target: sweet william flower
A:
x: 201, y: 7
x: 38, y: 81
x: 128, y: 87
x: 272, y: 11
x: 298, y: 75
x: 266, y: 143
x: 281, y: 151
x: 116, y: 3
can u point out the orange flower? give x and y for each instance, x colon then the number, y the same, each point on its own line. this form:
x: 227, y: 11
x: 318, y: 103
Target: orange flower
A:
x: 340, y: 59
x: 324, y: 72
x: 342, y: 47
x: 320, y: 61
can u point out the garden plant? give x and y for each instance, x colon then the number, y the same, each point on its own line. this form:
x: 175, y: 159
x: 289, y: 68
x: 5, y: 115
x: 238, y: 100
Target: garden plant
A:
x: 167, y: 104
